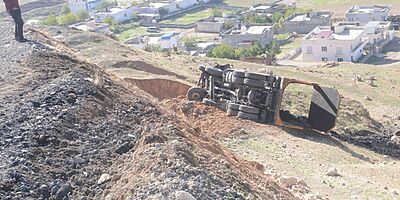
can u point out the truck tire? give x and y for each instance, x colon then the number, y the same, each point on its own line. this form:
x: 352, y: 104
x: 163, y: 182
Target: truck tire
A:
x: 237, y: 80
x: 239, y: 74
x: 196, y: 94
x: 249, y: 109
x: 248, y: 116
x: 209, y: 102
x: 233, y: 106
x: 252, y: 82
x: 214, y: 71
x: 232, y: 112
x: 256, y: 76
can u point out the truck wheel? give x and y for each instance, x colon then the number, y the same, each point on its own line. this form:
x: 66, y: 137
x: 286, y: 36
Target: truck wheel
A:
x: 249, y: 109
x: 196, y: 94
x: 232, y: 112
x: 252, y: 82
x: 214, y: 71
x: 209, y: 102
x: 239, y: 74
x: 248, y: 116
x: 256, y: 76
x: 233, y: 106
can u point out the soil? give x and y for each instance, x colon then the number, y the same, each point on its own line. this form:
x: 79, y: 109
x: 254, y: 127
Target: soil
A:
x: 143, y: 66
x: 71, y: 131
x: 160, y: 88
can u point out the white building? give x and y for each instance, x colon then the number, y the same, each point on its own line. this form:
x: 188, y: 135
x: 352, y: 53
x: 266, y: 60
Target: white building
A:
x: 118, y: 15
x: 364, y: 14
x: 166, y: 41
x: 185, y: 4
x: 77, y: 5
x: 344, y: 43
x: 248, y: 36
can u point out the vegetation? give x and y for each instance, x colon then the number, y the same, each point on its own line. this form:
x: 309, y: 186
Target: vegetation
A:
x: 217, y: 12
x: 65, y: 9
x: 109, y: 21
x: 190, y: 42
x: 228, y: 25
x: 105, y: 5
x: 226, y: 51
x: 257, y: 19
x: 192, y: 16
x: 83, y: 14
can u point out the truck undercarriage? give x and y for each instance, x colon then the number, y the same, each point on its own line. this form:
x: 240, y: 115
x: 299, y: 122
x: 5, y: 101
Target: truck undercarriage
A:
x: 258, y: 97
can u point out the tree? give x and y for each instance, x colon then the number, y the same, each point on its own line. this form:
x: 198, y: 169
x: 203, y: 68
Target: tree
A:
x: 190, y: 42
x: 109, y: 21
x: 224, y: 51
x: 228, y: 25
x: 217, y: 12
x: 65, y: 9
x: 257, y: 19
x: 68, y: 19
x: 49, y: 21
x: 105, y: 5
x: 82, y: 14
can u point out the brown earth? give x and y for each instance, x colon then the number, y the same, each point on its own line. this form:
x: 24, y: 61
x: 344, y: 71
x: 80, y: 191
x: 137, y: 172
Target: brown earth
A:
x: 160, y: 88
x: 72, y: 131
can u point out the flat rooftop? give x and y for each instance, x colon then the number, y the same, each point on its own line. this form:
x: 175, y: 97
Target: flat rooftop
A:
x: 369, y: 9
x: 348, y: 33
x: 257, y: 29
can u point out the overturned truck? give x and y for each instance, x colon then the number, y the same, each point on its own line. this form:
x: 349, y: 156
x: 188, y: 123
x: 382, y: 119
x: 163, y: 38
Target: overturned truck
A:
x: 258, y: 97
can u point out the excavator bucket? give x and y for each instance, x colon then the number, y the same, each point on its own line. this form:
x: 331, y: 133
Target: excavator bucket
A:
x: 324, y: 108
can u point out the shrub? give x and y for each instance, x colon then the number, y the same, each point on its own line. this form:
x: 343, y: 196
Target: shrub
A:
x: 82, y: 14
x: 65, y: 9
x: 68, y: 19
x: 49, y: 21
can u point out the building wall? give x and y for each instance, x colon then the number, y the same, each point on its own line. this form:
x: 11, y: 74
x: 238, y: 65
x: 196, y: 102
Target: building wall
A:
x: 237, y: 39
x: 304, y: 27
x: 124, y: 15
x: 209, y: 27
x: 348, y: 50
x: 77, y: 5
x: 364, y: 18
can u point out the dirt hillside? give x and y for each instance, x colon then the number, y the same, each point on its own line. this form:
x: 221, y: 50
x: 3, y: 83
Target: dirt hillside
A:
x: 71, y: 131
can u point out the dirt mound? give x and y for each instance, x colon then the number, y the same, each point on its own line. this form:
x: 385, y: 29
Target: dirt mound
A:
x: 71, y: 131
x: 160, y: 88
x: 146, y: 67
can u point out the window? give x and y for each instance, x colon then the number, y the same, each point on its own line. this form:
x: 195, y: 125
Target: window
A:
x: 324, y: 48
x: 125, y: 15
x: 324, y: 59
x: 340, y: 59
x: 309, y: 50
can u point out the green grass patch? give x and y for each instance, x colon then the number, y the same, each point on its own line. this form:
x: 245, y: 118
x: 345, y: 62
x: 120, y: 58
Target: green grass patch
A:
x: 191, y: 16
x: 246, y: 3
x: 131, y: 33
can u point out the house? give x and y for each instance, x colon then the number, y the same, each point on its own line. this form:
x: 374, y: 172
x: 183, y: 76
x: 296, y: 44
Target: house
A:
x: 185, y: 4
x: 364, y: 14
x: 341, y: 43
x: 117, y: 14
x: 146, y: 12
x: 247, y: 36
x: 304, y: 23
x: 77, y: 5
x: 214, y: 24
x: 91, y: 26
x: 165, y: 7
x: 92, y: 4
x: 165, y: 41
x: 377, y: 33
x: 85, y: 5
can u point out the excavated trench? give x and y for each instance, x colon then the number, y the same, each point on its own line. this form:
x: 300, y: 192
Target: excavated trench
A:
x: 160, y: 88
